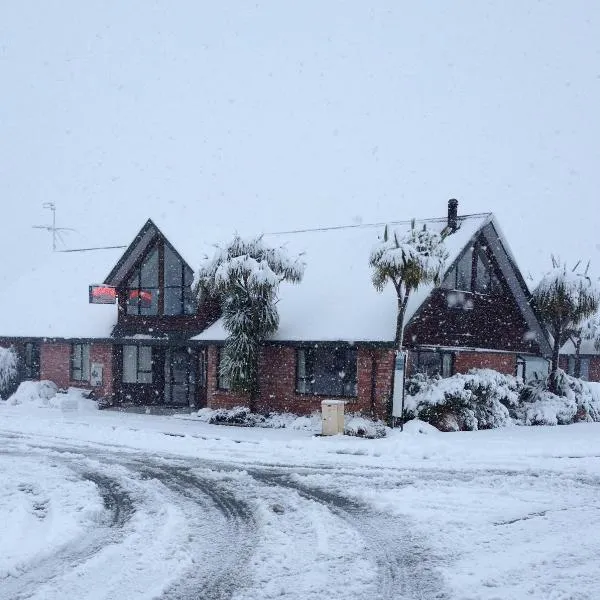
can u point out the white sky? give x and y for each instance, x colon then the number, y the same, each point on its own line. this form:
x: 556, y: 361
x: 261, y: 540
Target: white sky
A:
x: 278, y: 115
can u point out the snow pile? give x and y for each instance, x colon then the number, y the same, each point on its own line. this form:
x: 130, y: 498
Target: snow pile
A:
x: 8, y: 369
x: 45, y: 394
x: 38, y: 393
x: 359, y: 426
x: 479, y: 399
x: 241, y: 416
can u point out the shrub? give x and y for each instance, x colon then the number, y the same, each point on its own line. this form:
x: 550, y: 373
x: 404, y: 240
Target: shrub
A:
x: 479, y: 399
x: 8, y: 371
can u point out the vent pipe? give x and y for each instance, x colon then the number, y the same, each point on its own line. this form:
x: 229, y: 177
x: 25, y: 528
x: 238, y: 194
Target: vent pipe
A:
x: 453, y: 214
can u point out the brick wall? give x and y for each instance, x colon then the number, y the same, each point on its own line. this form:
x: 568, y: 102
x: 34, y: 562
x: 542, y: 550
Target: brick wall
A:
x: 501, y: 362
x: 277, y: 369
x: 55, y: 365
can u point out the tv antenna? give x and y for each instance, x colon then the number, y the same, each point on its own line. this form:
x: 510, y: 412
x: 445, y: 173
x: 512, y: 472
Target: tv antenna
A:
x: 56, y: 231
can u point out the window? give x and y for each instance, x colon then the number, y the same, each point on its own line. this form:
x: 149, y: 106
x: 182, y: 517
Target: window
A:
x: 474, y: 272
x: 223, y: 382
x: 432, y: 363
x: 326, y: 371
x: 153, y: 291
x: 137, y: 364
x: 80, y: 362
x: 143, y: 289
x: 31, y: 361
x: 178, y: 285
x: 584, y: 368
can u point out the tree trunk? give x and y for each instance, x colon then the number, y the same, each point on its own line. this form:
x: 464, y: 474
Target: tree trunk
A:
x: 553, y: 378
x: 577, y: 372
x: 402, y: 302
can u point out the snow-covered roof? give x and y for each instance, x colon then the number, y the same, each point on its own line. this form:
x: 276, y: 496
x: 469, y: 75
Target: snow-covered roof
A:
x: 51, y: 298
x: 587, y: 348
x: 336, y: 300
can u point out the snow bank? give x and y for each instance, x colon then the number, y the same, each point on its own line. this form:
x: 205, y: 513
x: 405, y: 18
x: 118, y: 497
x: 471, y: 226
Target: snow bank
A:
x: 45, y: 394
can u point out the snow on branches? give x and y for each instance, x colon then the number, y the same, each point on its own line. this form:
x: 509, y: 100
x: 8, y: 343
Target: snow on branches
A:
x: 244, y: 276
x: 565, y: 298
x: 8, y: 367
x: 408, y: 259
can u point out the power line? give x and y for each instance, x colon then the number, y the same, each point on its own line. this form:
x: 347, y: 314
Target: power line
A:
x: 381, y: 224
x: 95, y: 248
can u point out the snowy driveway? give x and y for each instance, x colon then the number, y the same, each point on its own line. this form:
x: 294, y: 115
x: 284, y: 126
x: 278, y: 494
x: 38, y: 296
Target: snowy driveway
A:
x: 116, y: 506
x: 108, y: 525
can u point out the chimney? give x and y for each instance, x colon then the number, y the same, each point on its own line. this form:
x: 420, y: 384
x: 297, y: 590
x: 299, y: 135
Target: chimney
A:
x: 453, y: 214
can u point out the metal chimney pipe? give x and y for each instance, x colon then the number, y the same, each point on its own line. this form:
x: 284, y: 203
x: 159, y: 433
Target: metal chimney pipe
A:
x: 453, y: 214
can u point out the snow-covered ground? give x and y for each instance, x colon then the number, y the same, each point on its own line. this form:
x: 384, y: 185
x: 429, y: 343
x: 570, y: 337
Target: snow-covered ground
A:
x: 101, y: 504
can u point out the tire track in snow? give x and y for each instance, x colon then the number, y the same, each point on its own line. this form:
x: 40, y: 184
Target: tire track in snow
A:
x: 232, y: 540
x: 119, y: 508
x: 402, y: 559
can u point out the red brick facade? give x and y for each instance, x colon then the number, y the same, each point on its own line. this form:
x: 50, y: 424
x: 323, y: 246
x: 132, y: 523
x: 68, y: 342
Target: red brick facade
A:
x: 55, y: 365
x: 502, y: 362
x: 278, y: 383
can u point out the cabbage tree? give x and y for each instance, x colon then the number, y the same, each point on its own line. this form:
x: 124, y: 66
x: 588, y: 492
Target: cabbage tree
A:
x: 565, y: 298
x: 244, y: 275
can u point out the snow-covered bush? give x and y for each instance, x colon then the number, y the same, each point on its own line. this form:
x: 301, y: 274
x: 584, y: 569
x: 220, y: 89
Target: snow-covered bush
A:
x: 243, y: 417
x: 479, y: 399
x: 8, y: 370
x: 576, y: 400
x: 362, y: 427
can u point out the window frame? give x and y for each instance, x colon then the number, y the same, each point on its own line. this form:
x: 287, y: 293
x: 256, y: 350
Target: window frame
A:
x: 136, y: 367
x: 303, y: 357
x: 183, y: 298
x: 445, y: 370
x: 31, y: 360
x: 78, y: 363
x: 478, y: 254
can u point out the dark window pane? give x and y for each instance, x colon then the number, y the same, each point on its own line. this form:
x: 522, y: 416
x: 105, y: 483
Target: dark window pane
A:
x: 148, y: 301
x: 149, y: 270
x: 129, y: 364
x: 464, y: 271
x: 326, y: 371
x: 145, y: 358
x: 189, y: 302
x: 173, y: 268
x: 173, y: 301
x: 429, y: 363
x: 446, y: 364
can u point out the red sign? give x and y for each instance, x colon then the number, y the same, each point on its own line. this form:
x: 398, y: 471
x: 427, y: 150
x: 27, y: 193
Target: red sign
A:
x: 103, y: 294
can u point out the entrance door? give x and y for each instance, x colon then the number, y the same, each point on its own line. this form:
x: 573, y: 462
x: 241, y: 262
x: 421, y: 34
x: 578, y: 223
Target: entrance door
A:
x: 180, y: 377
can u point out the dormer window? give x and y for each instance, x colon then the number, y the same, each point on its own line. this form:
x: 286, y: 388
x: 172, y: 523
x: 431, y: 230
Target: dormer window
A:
x: 161, y: 285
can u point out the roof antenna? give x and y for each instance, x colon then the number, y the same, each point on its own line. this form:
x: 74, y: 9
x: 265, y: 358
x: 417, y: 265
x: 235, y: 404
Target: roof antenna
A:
x: 53, y: 228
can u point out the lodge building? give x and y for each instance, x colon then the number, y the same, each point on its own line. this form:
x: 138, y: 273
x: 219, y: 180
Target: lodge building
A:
x: 159, y: 345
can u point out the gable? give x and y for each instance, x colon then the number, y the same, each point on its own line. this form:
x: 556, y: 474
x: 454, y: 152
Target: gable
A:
x: 488, y: 307
x: 147, y: 238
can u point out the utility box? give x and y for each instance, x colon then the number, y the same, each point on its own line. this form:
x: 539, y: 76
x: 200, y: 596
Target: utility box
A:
x: 332, y: 414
